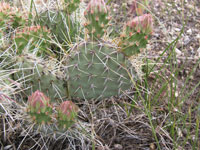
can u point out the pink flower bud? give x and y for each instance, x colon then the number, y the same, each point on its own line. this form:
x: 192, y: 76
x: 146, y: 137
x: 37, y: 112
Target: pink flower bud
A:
x: 38, y: 98
x: 96, y: 6
x: 67, y: 108
x: 142, y: 23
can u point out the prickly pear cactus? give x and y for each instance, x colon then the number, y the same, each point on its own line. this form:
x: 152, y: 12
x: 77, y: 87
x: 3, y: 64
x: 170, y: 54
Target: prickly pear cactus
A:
x: 66, y: 114
x: 97, y: 19
x: 136, y: 34
x: 33, y: 39
x: 100, y: 69
x: 39, y: 107
x: 97, y: 70
x: 36, y: 74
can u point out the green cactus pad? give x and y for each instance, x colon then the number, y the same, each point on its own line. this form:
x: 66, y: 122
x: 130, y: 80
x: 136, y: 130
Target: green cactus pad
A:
x: 97, y: 70
x: 42, y: 117
x: 61, y: 25
x: 97, y: 18
x: 34, y: 39
x: 133, y: 44
x: 136, y: 34
x: 45, y: 76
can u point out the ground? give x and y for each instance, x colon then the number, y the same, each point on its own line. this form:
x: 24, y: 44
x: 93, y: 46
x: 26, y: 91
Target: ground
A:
x: 161, y: 113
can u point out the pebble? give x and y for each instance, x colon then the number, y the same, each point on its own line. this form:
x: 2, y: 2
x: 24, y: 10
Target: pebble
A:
x: 186, y: 40
x: 118, y: 146
x: 7, y: 147
x: 178, y: 52
x: 189, y: 31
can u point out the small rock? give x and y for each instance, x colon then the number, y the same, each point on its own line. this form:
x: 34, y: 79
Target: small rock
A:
x: 186, y: 40
x: 118, y: 146
x: 7, y: 147
x: 198, y: 52
x: 178, y: 52
x: 189, y: 31
x: 185, y: 132
x: 152, y: 146
x: 180, y: 134
x: 177, y: 29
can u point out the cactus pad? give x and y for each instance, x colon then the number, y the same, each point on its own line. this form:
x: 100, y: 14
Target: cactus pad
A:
x: 34, y: 38
x: 97, y: 70
x: 97, y: 19
x: 43, y: 75
x: 136, y: 34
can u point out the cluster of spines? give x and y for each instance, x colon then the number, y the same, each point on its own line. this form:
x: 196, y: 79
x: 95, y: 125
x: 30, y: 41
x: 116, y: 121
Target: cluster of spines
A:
x: 34, y: 38
x: 97, y: 19
x: 41, y: 111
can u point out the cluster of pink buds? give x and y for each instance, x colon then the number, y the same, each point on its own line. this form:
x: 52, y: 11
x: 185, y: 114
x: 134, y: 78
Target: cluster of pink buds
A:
x: 41, y: 111
x: 96, y: 6
x: 142, y: 23
x: 4, y: 7
x: 32, y: 29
